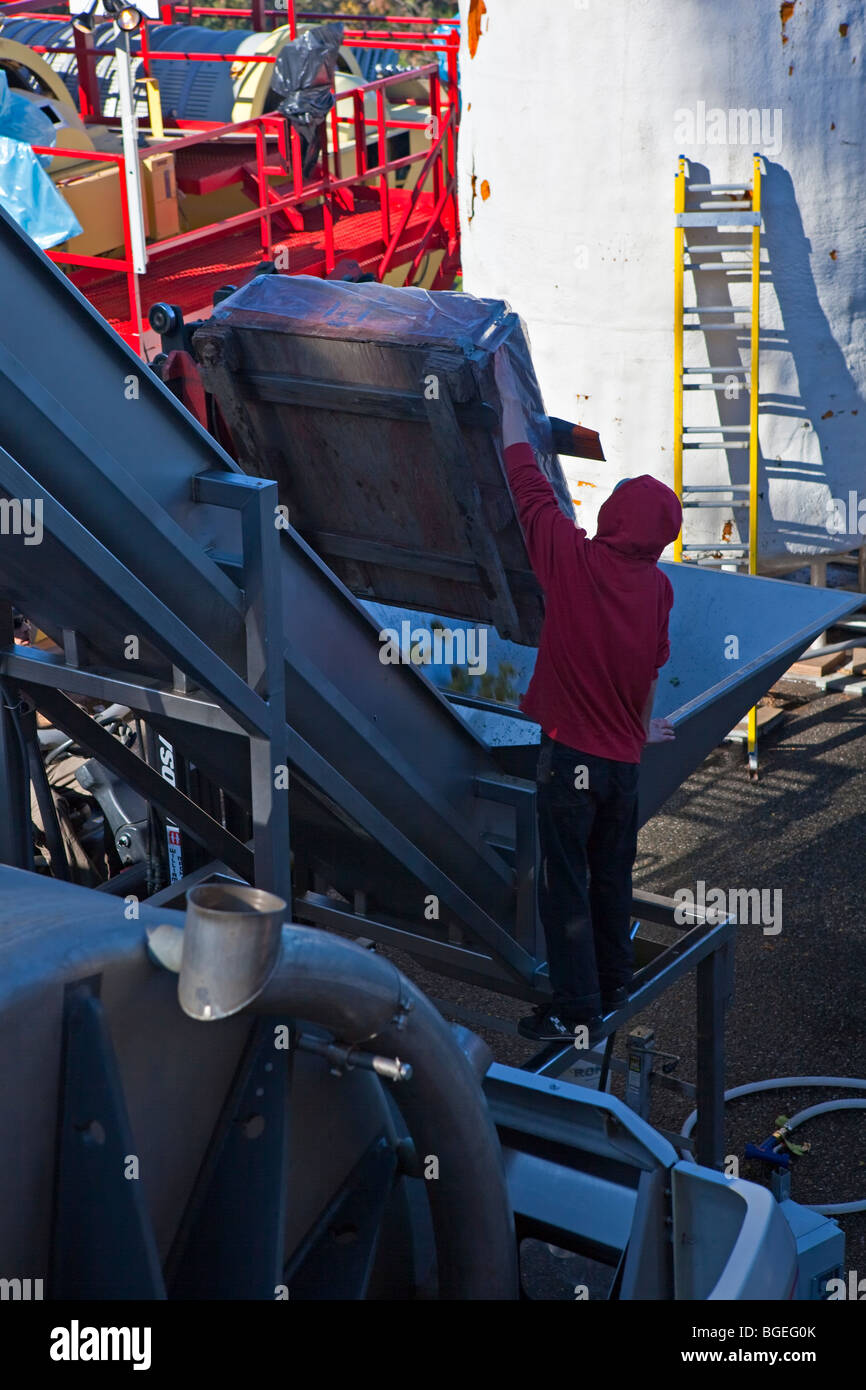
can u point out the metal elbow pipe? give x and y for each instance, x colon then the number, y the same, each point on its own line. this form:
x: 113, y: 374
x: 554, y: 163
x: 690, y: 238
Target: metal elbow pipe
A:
x: 364, y: 1000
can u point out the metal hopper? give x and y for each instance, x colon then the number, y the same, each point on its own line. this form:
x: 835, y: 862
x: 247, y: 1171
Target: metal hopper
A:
x: 768, y: 622
x: 732, y: 636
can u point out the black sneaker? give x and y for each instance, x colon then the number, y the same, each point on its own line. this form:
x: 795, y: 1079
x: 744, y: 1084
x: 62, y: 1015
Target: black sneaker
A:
x: 614, y: 999
x: 543, y: 1025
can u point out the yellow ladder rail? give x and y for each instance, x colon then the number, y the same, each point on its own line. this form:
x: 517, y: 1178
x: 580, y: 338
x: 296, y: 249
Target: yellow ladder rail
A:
x: 679, y: 244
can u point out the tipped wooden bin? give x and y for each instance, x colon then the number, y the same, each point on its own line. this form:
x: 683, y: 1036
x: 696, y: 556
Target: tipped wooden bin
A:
x: 375, y: 409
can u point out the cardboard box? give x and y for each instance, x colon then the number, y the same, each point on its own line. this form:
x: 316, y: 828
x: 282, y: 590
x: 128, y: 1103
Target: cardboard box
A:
x: 93, y: 193
x: 159, y: 188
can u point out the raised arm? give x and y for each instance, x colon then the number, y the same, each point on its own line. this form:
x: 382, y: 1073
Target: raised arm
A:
x: 546, y: 528
x: 660, y: 730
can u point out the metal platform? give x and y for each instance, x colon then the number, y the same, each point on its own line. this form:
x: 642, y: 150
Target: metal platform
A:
x: 189, y: 272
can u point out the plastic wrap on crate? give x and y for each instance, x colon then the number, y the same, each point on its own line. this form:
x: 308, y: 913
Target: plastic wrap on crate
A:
x: 304, y: 304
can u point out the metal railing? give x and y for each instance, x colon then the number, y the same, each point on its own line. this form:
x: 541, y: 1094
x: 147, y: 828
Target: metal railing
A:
x: 122, y: 264
x: 330, y: 185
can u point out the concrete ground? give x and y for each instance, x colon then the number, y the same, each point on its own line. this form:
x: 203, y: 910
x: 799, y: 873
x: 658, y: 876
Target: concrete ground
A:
x: 800, y: 995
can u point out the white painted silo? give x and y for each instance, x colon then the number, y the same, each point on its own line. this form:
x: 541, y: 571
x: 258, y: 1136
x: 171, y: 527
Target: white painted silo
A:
x: 574, y: 113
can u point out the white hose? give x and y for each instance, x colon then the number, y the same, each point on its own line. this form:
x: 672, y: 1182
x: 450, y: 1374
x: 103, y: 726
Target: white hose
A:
x: 783, y: 1082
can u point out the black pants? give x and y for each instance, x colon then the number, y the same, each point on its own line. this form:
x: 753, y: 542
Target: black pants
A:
x: 587, y: 824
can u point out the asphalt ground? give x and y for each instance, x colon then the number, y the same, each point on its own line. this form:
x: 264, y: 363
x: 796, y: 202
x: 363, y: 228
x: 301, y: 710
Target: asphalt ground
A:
x: 799, y: 1005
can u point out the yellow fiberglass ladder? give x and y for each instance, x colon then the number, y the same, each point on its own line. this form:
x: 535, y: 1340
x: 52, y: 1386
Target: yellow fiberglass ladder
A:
x: 708, y: 207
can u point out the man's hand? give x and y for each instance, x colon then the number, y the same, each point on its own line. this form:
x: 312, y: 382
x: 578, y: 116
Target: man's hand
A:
x: 660, y: 731
x: 513, y: 422
x: 504, y: 373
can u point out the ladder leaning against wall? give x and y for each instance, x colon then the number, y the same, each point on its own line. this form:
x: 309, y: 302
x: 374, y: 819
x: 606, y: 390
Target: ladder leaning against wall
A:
x: 707, y: 209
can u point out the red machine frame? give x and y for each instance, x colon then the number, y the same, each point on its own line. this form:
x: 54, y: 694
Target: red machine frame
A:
x: 413, y: 221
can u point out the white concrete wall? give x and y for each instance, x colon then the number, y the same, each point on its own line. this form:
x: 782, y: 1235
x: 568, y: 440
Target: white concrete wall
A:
x: 573, y: 118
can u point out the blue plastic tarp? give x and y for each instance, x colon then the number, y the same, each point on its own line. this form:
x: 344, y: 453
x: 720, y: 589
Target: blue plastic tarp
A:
x: 26, y: 191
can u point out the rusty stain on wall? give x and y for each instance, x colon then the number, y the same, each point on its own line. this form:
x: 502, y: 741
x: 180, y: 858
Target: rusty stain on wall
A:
x: 727, y: 530
x: 833, y: 255
x: 477, y: 8
x: 843, y: 30
x: 785, y: 11
x: 485, y: 190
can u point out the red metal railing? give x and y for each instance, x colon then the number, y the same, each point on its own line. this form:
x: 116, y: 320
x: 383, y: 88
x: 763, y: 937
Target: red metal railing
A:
x: 123, y: 264
x: 86, y: 56
x: 330, y: 185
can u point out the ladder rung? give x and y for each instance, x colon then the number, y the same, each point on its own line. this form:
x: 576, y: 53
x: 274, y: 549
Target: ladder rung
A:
x: 730, y: 370
x: 716, y: 487
x: 724, y: 444
x: 731, y: 502
x: 723, y: 545
x: 716, y: 429
x: 718, y: 188
x: 719, y: 246
x: 707, y: 386
x: 717, y: 309
x: 714, y: 328
x: 718, y: 218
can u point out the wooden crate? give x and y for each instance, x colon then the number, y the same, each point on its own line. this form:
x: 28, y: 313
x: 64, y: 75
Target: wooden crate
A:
x: 375, y: 409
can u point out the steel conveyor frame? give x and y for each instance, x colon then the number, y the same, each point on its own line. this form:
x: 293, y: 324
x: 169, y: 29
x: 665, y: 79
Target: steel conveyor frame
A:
x: 252, y: 657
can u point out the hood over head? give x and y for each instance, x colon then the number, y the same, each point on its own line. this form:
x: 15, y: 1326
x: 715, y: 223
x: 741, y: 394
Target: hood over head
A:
x: 640, y: 518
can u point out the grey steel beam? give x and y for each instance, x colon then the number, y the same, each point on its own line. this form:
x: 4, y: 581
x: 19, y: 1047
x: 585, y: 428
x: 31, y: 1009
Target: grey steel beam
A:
x: 44, y: 796
x: 155, y: 619
x: 257, y: 500
x: 710, y: 1129
x: 37, y: 667
x: 444, y: 957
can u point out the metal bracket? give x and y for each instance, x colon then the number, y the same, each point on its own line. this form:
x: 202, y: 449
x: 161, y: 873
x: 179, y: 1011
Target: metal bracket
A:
x: 521, y: 795
x: 230, y: 1242
x: 257, y: 500
x: 336, y: 1258
x: 103, y: 1245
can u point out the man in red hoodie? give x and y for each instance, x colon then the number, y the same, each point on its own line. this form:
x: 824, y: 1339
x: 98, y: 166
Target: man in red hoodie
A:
x: 604, y: 638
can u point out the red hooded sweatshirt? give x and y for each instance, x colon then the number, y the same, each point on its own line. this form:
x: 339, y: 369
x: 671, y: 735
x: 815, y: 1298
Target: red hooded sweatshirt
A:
x: 605, y: 632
